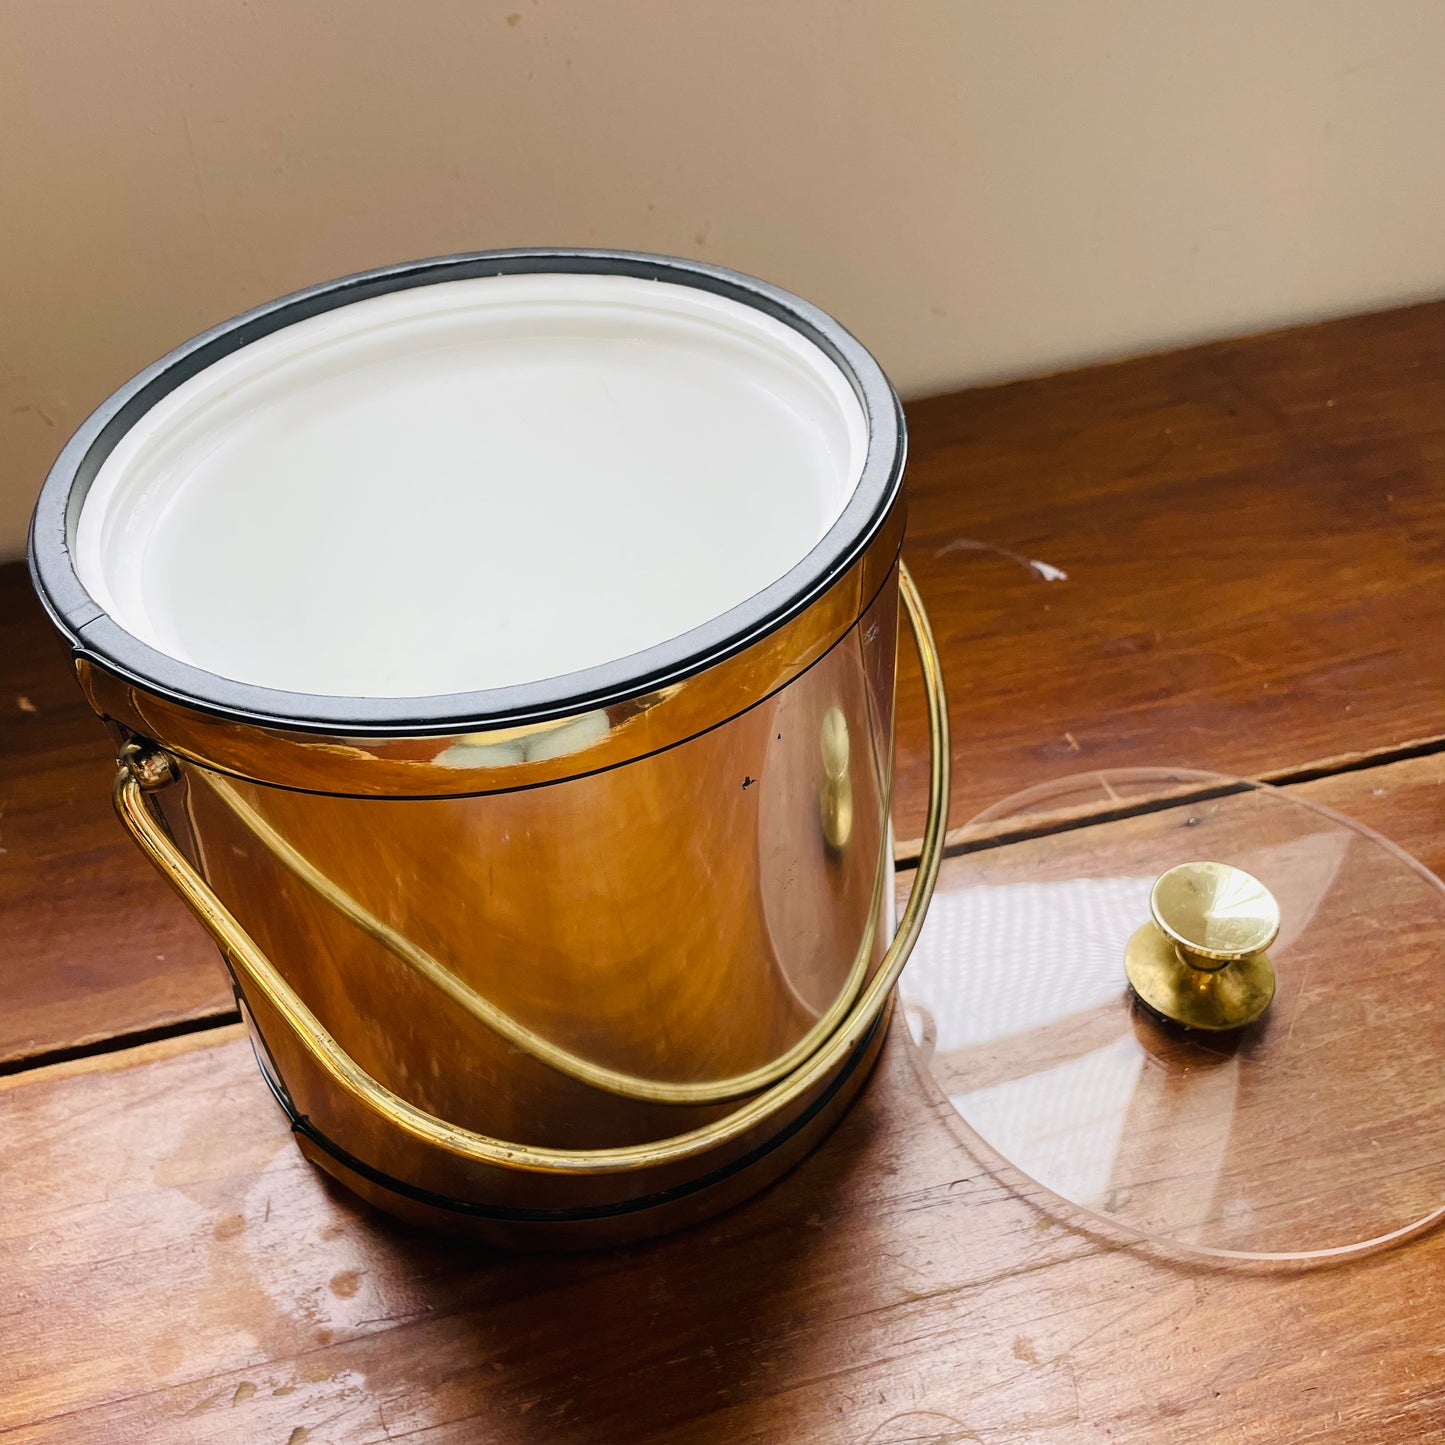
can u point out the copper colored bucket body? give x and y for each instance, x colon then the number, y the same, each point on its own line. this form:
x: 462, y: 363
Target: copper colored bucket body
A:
x: 551, y: 979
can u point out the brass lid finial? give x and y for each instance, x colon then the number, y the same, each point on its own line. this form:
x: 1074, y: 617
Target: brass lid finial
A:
x: 1201, y: 962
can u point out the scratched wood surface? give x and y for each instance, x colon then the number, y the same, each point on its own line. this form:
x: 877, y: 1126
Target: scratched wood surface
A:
x: 173, y: 1271
x: 1253, y: 534
x: 1254, y: 539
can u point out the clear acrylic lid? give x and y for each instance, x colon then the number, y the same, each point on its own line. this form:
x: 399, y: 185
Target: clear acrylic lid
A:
x: 1316, y: 1131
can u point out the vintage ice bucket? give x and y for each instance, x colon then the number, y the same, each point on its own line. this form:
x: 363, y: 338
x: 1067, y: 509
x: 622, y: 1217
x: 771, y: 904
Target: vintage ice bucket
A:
x: 500, y: 653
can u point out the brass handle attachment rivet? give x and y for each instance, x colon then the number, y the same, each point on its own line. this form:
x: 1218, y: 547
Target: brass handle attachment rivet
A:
x: 1201, y: 960
x: 152, y: 767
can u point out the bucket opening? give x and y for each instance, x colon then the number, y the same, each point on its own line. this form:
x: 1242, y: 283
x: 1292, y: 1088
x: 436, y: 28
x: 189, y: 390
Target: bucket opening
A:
x: 471, y: 484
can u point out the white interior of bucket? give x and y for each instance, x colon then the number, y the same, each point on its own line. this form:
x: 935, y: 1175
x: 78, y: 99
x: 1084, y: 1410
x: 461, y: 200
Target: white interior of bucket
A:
x: 470, y: 485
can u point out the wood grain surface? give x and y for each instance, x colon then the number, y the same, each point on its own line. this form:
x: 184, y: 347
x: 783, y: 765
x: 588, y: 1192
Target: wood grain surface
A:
x: 1253, y: 534
x: 175, y: 1272
x: 1253, y: 537
x: 92, y: 943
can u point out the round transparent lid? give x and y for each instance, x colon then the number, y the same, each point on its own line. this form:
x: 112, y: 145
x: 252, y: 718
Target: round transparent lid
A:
x: 1316, y: 1130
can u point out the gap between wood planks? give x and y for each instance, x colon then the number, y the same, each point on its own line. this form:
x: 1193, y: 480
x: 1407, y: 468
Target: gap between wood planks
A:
x: 975, y: 838
x: 119, y: 1043
x: 960, y: 841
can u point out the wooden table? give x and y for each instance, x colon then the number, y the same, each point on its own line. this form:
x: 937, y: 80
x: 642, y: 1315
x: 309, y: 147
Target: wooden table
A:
x: 1232, y: 557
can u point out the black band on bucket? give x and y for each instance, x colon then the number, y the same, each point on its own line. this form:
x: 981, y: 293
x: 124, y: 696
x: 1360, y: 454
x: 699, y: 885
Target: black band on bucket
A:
x: 579, y: 1214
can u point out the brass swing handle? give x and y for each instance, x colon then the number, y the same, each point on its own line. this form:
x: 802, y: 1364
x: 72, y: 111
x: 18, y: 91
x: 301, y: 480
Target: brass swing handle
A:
x: 260, y: 974
x: 450, y: 984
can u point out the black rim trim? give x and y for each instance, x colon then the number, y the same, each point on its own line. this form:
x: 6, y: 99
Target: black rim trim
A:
x: 582, y: 1213
x: 837, y: 642
x: 94, y: 635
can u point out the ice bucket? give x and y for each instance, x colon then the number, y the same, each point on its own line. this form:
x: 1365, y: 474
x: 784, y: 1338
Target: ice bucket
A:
x: 500, y: 654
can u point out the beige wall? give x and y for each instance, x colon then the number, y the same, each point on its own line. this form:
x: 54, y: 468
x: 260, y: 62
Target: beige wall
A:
x: 979, y: 188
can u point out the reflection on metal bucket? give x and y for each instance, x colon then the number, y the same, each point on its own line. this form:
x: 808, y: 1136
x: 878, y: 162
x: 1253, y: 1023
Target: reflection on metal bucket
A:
x: 567, y: 961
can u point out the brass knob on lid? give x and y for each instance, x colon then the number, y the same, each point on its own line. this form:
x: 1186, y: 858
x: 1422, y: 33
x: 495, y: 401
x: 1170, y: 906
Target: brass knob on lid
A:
x: 1201, y: 962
